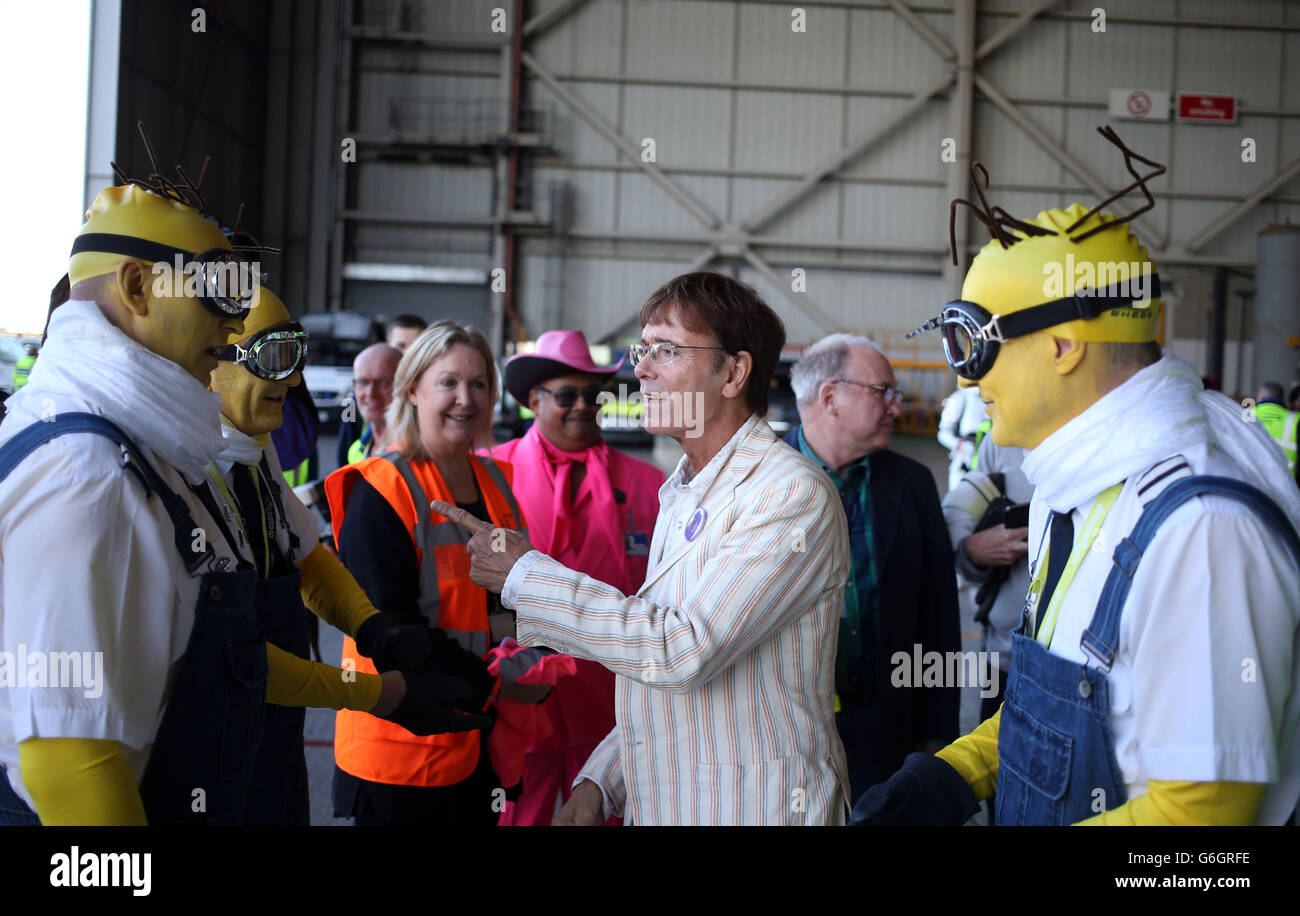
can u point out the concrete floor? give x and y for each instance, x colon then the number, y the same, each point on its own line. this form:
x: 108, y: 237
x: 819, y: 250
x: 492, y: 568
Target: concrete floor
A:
x: 665, y: 454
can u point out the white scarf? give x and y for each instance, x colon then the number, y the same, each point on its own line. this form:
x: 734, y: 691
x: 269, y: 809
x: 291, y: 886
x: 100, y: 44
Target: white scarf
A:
x: 240, y: 448
x: 1158, y: 412
x: 157, y: 403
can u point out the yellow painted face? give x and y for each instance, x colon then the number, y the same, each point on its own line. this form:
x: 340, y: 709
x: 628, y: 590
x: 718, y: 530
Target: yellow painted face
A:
x: 1023, y: 413
x: 182, y: 330
x: 255, y: 406
x: 1025, y: 392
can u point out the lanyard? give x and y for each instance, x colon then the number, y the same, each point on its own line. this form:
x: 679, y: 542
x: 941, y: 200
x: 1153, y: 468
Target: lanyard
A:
x: 219, y: 481
x: 1091, y: 526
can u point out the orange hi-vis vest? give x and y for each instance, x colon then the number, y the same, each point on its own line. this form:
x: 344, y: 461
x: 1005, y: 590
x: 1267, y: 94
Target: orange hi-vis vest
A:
x: 374, y: 749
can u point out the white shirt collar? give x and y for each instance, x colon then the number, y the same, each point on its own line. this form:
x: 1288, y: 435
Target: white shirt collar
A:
x: 684, y: 479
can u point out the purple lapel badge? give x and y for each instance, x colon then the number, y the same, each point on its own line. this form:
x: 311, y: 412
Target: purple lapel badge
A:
x: 695, y: 523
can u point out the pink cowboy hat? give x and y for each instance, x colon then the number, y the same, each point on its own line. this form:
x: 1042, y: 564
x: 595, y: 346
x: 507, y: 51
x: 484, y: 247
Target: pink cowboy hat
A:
x: 557, y: 353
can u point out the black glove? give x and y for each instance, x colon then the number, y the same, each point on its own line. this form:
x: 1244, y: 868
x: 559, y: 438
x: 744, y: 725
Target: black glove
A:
x: 392, y: 645
x: 464, y: 666
x: 428, y: 708
x: 926, y: 792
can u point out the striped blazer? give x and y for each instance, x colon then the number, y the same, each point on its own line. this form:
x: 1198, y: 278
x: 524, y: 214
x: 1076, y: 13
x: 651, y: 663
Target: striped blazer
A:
x: 725, y: 658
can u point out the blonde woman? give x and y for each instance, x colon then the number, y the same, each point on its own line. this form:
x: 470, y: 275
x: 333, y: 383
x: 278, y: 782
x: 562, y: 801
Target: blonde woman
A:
x: 413, y: 563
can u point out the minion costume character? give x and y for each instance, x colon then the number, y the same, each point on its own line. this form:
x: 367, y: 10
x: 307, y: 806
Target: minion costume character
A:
x: 144, y: 679
x: 277, y: 538
x: 1154, y: 678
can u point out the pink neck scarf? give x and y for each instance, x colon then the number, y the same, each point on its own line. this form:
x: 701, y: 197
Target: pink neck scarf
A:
x: 591, y: 542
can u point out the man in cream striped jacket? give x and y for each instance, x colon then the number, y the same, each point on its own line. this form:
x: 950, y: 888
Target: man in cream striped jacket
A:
x: 725, y: 656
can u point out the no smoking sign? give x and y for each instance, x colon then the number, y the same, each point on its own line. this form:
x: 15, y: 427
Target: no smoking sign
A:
x: 1139, y: 104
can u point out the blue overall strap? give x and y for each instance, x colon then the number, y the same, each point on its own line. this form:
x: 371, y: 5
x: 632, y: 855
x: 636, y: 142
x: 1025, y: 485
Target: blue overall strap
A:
x: 37, y: 434
x: 1101, y: 638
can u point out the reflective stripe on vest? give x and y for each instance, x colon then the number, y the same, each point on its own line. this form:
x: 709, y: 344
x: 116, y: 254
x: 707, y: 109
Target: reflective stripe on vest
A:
x: 374, y: 749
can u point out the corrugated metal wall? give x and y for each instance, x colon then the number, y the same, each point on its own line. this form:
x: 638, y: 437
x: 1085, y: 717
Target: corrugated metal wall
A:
x: 198, y: 93
x: 740, y: 107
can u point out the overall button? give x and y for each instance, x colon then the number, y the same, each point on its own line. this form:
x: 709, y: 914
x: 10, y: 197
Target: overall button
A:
x: 215, y: 593
x: 1085, y: 689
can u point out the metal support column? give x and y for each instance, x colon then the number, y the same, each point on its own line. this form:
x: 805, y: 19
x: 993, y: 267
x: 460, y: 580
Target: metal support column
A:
x: 960, y: 107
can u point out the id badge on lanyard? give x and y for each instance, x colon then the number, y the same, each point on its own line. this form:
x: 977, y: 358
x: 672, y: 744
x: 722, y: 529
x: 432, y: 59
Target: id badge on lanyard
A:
x: 1093, y: 521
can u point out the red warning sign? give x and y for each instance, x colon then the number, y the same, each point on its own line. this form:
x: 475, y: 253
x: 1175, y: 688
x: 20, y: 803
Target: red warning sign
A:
x: 1206, y: 108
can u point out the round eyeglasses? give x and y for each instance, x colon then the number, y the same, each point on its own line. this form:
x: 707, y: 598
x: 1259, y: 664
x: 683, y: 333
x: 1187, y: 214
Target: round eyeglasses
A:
x: 661, y: 353
x: 888, y: 393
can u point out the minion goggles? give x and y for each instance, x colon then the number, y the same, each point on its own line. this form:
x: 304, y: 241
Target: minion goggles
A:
x: 972, y: 335
x: 222, y: 294
x: 273, y: 354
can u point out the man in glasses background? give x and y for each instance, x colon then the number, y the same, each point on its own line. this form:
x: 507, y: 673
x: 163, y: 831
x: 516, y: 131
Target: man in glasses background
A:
x: 372, y: 384
x: 902, y: 593
x: 592, y: 508
x: 398, y: 335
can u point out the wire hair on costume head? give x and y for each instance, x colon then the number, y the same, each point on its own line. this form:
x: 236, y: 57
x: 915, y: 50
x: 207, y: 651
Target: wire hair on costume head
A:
x: 187, y: 192
x: 1139, y: 181
x: 998, y: 221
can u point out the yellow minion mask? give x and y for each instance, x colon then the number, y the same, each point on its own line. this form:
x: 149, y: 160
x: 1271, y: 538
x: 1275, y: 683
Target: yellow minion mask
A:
x: 250, y: 401
x: 1038, y: 269
x: 129, y: 221
x: 269, y: 311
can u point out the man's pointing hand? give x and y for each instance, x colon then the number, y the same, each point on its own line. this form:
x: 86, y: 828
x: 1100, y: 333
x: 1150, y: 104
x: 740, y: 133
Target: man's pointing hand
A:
x: 493, y: 551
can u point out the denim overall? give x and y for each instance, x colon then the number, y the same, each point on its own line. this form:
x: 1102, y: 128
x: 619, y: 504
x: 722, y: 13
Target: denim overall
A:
x: 201, y: 763
x: 1056, y: 754
x: 279, y: 795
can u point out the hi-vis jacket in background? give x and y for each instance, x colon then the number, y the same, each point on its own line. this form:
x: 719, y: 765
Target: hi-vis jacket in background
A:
x: 1282, y: 425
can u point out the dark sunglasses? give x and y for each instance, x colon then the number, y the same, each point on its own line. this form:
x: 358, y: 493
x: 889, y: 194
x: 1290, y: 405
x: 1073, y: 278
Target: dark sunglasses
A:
x: 229, y: 280
x: 273, y: 354
x: 972, y: 334
x: 568, y: 395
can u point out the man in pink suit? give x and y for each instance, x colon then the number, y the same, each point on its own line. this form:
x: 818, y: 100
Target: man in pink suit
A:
x: 593, y: 509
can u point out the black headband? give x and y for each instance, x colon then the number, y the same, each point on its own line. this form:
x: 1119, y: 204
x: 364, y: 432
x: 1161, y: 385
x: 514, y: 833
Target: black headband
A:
x: 1083, y: 305
x: 129, y: 245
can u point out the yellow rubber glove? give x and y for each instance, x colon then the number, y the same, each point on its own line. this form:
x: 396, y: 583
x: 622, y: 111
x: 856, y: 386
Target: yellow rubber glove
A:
x: 331, y: 593
x: 294, y: 681
x: 1186, y: 804
x: 80, y: 782
x: 975, y: 756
